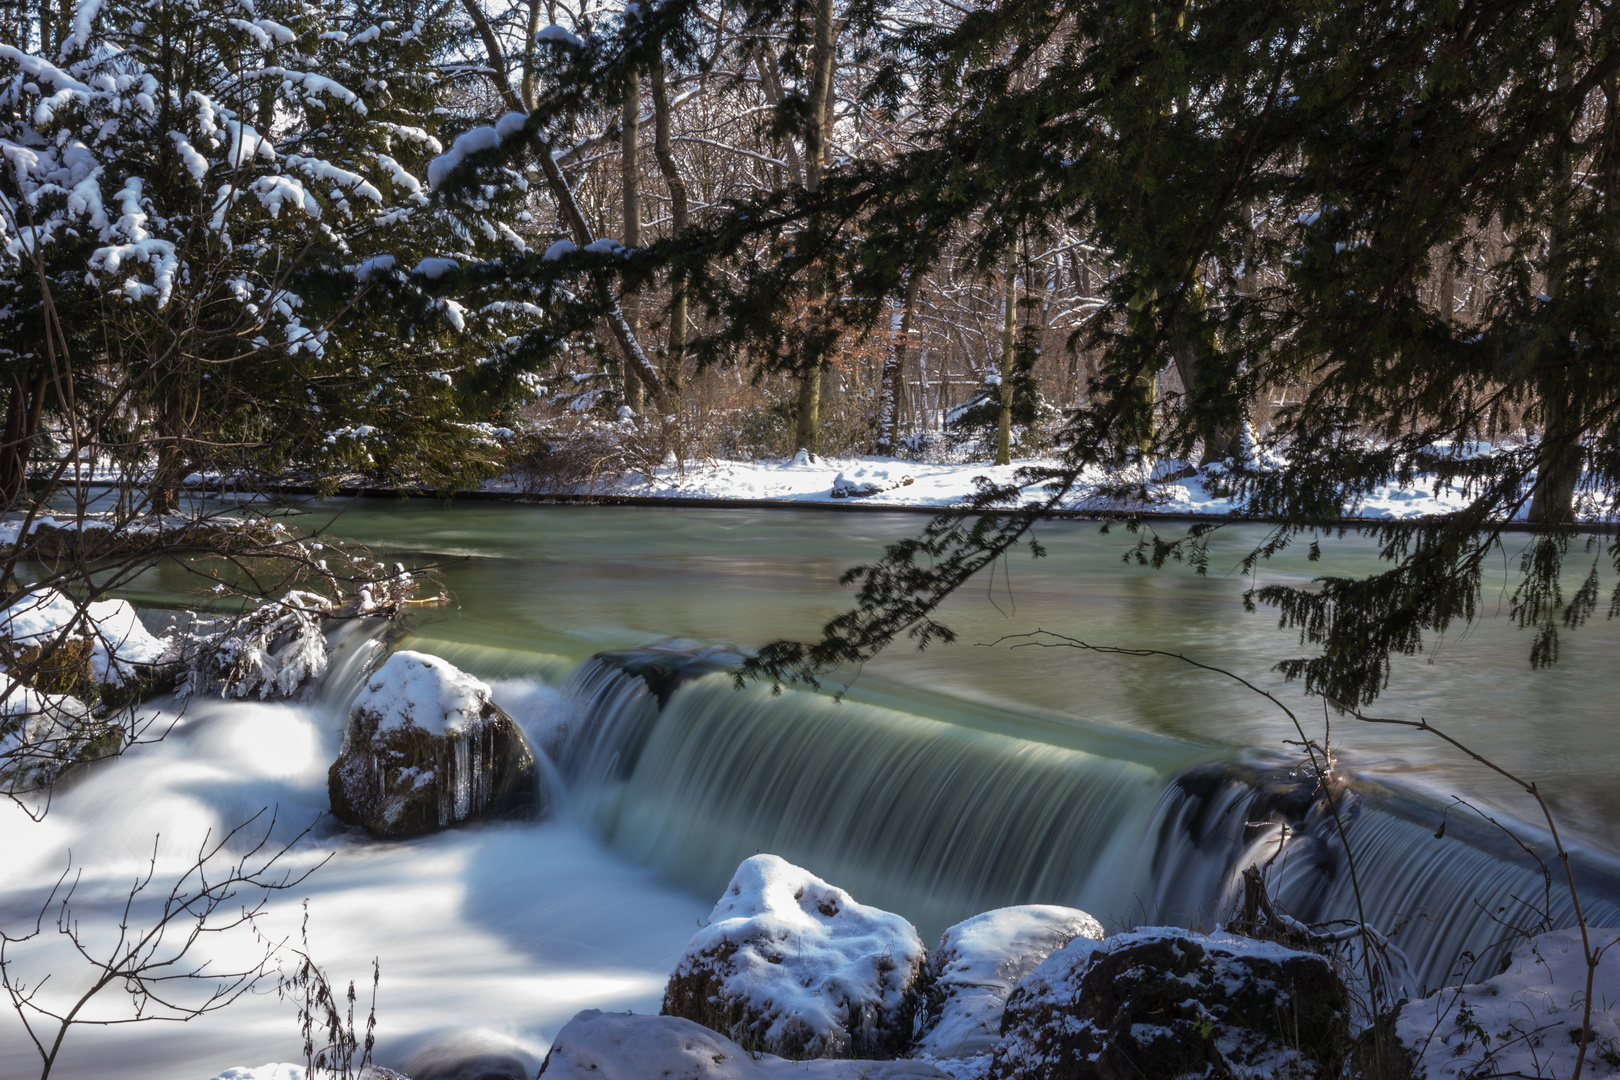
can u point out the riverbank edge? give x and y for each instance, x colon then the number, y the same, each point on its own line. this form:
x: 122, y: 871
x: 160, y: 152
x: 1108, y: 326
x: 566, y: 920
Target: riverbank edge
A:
x: 843, y: 506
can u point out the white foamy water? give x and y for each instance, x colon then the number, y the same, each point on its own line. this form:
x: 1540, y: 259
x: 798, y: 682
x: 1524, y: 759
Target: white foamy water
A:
x: 489, y: 938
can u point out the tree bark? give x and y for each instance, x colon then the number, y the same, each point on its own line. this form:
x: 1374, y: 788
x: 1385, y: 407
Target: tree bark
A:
x: 815, y: 152
x: 1009, y: 343
x: 892, y: 398
x: 675, y: 358
x: 568, y: 209
x: 630, y: 183
x: 22, y: 425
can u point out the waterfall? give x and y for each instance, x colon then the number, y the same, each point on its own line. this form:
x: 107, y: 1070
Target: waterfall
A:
x: 940, y: 820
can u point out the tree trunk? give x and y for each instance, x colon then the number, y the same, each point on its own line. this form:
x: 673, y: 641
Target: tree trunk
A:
x: 893, y: 392
x: 676, y: 357
x: 1009, y: 341
x: 22, y: 424
x: 1552, y: 499
x: 815, y: 146
x: 630, y: 177
x: 567, y: 205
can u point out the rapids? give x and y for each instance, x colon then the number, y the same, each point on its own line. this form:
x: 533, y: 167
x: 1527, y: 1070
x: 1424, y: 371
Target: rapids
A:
x: 939, y: 785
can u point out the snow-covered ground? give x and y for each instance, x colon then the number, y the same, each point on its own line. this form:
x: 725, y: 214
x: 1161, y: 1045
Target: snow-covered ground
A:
x: 893, y: 482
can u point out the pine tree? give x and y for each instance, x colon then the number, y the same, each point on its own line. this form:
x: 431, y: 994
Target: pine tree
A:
x: 206, y: 192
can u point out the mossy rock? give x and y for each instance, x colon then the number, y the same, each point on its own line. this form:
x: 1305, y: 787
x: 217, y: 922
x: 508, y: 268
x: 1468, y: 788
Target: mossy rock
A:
x: 1172, y: 1004
x: 401, y: 781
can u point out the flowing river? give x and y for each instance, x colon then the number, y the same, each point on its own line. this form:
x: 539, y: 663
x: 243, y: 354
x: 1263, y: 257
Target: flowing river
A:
x: 942, y: 783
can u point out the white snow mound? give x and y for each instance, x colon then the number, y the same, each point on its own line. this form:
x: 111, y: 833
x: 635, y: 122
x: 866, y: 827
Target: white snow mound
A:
x: 978, y: 963
x: 120, y: 640
x: 281, y: 1070
x: 620, y: 1046
x: 1525, y: 1021
x: 812, y: 972
x: 414, y: 689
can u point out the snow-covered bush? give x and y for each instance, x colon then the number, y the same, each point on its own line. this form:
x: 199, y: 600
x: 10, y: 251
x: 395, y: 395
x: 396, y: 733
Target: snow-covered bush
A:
x: 794, y: 966
x: 276, y: 651
x: 208, y: 189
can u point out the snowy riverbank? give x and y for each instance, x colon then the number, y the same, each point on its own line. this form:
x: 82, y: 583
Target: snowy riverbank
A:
x: 894, y: 483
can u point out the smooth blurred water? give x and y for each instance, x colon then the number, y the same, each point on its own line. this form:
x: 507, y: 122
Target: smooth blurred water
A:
x: 562, y: 582
x: 946, y: 781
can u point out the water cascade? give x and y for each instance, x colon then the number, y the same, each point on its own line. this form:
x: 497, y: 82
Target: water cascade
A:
x: 942, y: 820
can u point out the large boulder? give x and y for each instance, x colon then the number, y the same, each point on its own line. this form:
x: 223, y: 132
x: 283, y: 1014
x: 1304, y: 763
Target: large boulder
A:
x: 791, y: 965
x: 1171, y: 1004
x: 976, y: 966
x: 1525, y: 1021
x: 427, y: 749
x: 618, y: 1046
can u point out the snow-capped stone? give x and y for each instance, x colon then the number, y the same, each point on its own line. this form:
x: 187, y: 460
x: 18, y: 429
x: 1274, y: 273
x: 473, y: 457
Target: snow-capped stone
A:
x: 120, y: 644
x: 426, y: 749
x: 794, y: 966
x: 1169, y: 1003
x: 43, y: 735
x: 866, y: 482
x: 976, y: 966
x: 618, y: 1046
x: 1524, y: 1022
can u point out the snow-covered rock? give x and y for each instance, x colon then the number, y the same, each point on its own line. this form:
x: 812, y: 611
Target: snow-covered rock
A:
x: 863, y: 483
x: 42, y: 736
x: 976, y: 966
x: 618, y: 1046
x: 275, y: 1070
x: 1524, y: 1022
x: 428, y: 748
x: 285, y: 1070
x: 1168, y: 1004
x: 121, y: 646
x: 794, y: 966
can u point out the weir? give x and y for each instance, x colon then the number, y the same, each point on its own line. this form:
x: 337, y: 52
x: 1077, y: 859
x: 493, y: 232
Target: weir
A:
x: 940, y: 820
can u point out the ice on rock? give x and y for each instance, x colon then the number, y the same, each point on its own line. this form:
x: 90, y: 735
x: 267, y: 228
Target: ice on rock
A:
x: 978, y: 963
x: 794, y: 966
x: 426, y: 749
x: 619, y: 1046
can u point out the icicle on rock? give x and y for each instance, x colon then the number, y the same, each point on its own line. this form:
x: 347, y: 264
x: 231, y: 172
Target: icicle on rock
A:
x: 427, y: 749
x: 791, y: 965
x: 1165, y: 1002
x: 976, y: 966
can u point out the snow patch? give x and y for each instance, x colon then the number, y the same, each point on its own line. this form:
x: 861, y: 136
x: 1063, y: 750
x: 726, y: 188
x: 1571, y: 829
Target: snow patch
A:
x: 805, y: 960
x: 978, y: 963
x: 620, y: 1046
x: 414, y: 689
x: 1523, y: 1022
x: 120, y: 641
x: 559, y: 35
